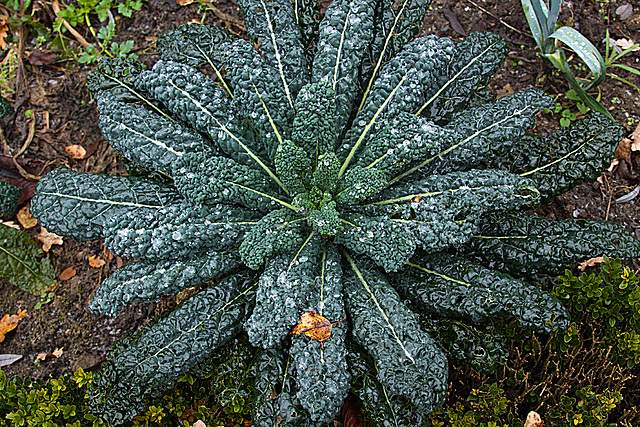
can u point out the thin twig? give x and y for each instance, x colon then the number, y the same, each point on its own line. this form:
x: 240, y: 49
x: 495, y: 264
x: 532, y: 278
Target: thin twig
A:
x: 30, y: 135
x: 606, y: 218
x: 500, y: 19
x: 56, y: 8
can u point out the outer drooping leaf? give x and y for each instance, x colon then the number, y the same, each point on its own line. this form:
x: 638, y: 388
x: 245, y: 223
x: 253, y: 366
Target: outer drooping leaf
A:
x: 273, y: 24
x: 9, y: 196
x: 524, y: 245
x: 569, y: 156
x: 195, y: 45
x: 211, y: 180
x: 259, y: 95
x: 388, y: 243
x: 453, y: 287
x: 280, y: 231
x: 151, y: 140
x: 472, y: 65
x: 314, y: 127
x: 382, y: 406
x: 403, y: 84
x: 283, y: 291
x: 410, y: 363
x: 151, y: 364
x: 402, y: 140
x: 199, y: 102
x: 487, y: 132
x: 308, y: 14
x: 178, y: 231
x: 275, y: 402
x: 444, y: 210
x: 479, y: 347
x: 490, y: 130
x: 322, y: 376
x: 21, y: 265
x: 344, y: 34
x: 146, y: 281
x: 396, y: 23
x: 77, y: 204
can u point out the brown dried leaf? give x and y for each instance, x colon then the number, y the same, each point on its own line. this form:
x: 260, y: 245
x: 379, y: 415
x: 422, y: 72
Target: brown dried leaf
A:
x: 47, y: 239
x: 186, y: 2
x: 96, y: 262
x: 26, y: 219
x: 533, y: 420
x: 314, y: 326
x: 351, y: 412
x: 623, y: 150
x: 590, y: 263
x: 41, y: 58
x: 77, y: 152
x: 9, y: 322
x: 68, y: 273
x: 57, y: 353
x: 3, y: 33
x: 505, y: 91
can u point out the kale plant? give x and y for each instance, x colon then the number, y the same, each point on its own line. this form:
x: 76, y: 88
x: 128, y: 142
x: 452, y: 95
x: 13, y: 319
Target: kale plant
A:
x: 325, y: 171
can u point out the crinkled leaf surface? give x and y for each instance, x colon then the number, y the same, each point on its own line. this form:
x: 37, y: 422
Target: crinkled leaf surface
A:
x: 77, y: 204
x: 524, y: 245
x: 150, y: 280
x: 321, y: 368
x: 23, y: 264
x: 410, y: 363
x: 150, y: 364
x: 9, y: 196
x: 453, y: 287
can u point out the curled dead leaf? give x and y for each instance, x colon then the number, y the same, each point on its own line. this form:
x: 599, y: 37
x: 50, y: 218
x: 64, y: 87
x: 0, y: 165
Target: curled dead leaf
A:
x: 533, y: 420
x: 9, y: 322
x: 96, y: 262
x: 590, y: 263
x: 68, y: 273
x: 77, y: 152
x: 25, y: 218
x: 56, y: 353
x: 314, y: 326
x: 505, y: 91
x: 47, y: 239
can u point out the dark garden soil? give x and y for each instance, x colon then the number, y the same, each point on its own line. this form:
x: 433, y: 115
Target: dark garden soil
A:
x: 65, y: 115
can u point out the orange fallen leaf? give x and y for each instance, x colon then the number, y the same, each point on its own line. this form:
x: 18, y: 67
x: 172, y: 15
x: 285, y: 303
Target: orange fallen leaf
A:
x: 590, y: 263
x: 314, y: 326
x: 25, y: 218
x: 505, y: 91
x: 9, y: 322
x: 3, y: 33
x: 56, y: 353
x: 96, y: 262
x: 47, y: 239
x: 68, y: 273
x: 77, y: 152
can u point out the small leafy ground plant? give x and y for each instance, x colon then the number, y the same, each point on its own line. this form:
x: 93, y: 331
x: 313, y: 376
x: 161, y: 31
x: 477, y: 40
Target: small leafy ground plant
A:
x: 342, y: 182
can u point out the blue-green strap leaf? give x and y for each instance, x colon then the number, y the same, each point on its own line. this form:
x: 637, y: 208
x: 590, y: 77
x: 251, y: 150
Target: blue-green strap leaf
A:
x: 151, y: 363
x: 272, y: 23
x: 77, y: 204
x: 410, y: 363
x: 344, y: 34
x: 179, y: 231
x: 453, y: 287
x: 146, y: 281
x: 151, y: 140
x: 524, y: 245
x: 472, y: 65
x: 321, y: 369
